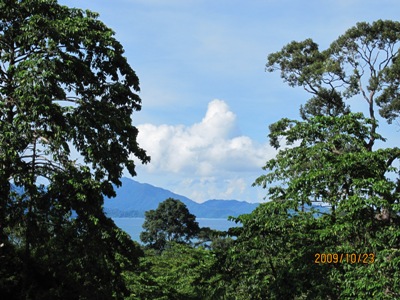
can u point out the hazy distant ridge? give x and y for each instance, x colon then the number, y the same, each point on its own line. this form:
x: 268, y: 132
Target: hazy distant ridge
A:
x: 134, y: 198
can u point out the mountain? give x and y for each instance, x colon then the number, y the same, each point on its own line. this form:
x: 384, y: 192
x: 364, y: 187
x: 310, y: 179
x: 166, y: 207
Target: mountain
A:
x: 134, y: 198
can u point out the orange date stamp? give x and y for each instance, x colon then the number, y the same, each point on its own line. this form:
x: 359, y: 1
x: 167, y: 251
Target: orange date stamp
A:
x: 338, y: 258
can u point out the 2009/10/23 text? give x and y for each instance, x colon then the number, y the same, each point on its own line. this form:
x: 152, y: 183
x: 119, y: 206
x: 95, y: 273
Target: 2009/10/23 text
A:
x: 337, y: 258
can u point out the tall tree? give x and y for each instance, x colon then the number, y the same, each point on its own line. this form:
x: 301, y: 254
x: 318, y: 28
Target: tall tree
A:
x: 361, y: 64
x: 327, y: 162
x: 64, y: 84
x: 170, y: 222
x: 329, y: 157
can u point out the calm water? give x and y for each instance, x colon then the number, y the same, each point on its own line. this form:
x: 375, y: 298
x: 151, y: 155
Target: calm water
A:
x: 133, y: 226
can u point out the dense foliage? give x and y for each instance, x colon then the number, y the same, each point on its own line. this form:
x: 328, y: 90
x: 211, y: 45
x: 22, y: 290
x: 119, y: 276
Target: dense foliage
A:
x: 178, y: 272
x: 170, y: 222
x: 328, y: 157
x: 65, y: 87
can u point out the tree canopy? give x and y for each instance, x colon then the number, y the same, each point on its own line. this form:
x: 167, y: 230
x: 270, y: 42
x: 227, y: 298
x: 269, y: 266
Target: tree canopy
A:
x: 65, y: 87
x: 170, y: 222
x: 329, y: 158
x: 335, y: 155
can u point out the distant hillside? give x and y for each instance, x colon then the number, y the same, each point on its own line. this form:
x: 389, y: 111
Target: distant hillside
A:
x: 134, y: 198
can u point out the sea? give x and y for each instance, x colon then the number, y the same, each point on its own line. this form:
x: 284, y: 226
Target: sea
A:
x: 133, y: 226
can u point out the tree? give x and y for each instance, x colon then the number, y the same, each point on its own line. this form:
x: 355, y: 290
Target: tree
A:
x: 329, y: 164
x: 329, y: 157
x: 170, y: 222
x: 65, y: 87
x: 361, y: 63
x: 334, y: 143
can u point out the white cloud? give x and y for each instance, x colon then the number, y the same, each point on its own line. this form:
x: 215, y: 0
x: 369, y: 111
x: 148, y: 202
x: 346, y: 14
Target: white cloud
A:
x: 206, y: 148
x: 205, y: 160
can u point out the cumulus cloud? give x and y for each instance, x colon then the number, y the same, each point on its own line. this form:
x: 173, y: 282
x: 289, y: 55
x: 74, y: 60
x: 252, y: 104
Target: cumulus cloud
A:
x: 206, y: 148
x: 208, y: 159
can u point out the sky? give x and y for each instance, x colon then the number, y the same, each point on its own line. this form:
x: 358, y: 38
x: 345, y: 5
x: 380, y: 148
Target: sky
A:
x: 207, y: 100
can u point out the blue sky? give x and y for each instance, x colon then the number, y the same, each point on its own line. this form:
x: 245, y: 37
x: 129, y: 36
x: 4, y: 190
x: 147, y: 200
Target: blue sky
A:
x: 207, y: 100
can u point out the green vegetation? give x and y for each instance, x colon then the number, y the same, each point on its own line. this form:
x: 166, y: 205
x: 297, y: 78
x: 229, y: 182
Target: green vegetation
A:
x: 170, y: 222
x: 65, y: 84
x: 329, y: 157
x: 179, y: 272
